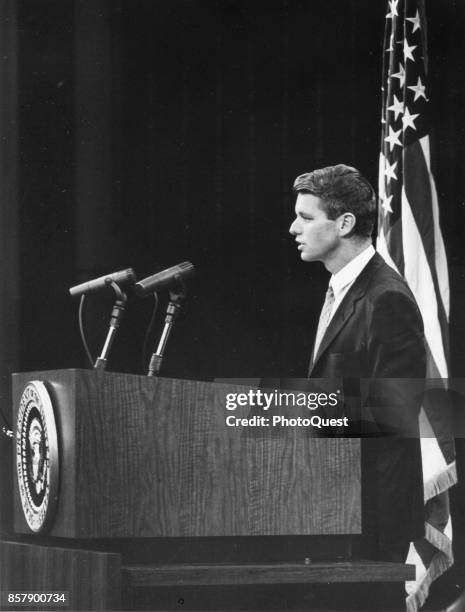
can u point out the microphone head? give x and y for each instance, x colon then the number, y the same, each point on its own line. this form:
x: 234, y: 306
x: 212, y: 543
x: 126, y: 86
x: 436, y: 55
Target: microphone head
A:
x: 186, y: 269
x: 123, y: 277
x: 165, y: 278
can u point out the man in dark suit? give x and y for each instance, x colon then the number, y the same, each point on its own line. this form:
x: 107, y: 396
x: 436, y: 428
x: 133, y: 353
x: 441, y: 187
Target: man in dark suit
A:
x: 369, y: 328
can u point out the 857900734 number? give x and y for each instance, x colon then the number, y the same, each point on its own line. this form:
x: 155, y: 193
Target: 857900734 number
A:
x: 33, y: 598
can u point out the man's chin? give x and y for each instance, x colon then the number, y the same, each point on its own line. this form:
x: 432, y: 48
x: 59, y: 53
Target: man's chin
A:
x: 306, y: 257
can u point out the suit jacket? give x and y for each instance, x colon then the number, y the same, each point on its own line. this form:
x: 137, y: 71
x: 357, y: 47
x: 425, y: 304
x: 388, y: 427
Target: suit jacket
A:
x: 377, y: 331
x: 377, y: 334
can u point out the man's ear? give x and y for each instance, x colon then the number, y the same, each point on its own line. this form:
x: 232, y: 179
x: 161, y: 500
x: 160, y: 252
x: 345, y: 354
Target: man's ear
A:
x: 347, y: 223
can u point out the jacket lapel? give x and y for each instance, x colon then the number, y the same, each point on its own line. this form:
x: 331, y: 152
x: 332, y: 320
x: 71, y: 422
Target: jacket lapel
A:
x: 347, y: 307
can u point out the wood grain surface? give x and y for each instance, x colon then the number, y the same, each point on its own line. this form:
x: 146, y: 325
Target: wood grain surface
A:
x: 166, y: 575
x: 145, y: 457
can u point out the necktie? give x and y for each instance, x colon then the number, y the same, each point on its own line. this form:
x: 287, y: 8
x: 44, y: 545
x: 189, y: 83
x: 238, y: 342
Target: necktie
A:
x: 324, y: 318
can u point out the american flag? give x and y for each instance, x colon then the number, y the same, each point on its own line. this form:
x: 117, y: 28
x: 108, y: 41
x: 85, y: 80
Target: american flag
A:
x: 409, y: 238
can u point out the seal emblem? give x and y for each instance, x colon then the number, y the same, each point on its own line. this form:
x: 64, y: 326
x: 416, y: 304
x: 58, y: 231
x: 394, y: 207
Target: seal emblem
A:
x: 37, y: 457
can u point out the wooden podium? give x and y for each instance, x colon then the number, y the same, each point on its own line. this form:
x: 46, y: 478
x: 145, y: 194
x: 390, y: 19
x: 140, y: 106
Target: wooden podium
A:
x: 147, y: 457
x: 155, y: 458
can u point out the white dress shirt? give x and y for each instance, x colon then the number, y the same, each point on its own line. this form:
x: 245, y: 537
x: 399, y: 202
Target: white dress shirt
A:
x: 340, y: 283
x: 343, y: 280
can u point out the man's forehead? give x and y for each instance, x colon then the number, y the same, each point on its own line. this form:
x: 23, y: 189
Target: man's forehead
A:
x: 308, y: 202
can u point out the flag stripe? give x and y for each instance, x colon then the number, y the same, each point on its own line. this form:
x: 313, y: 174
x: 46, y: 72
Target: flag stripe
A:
x: 419, y: 278
x: 394, y: 238
x: 418, y: 190
x: 440, y: 252
x: 437, y: 407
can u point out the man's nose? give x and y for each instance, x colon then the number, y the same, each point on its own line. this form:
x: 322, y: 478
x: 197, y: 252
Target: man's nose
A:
x: 294, y: 229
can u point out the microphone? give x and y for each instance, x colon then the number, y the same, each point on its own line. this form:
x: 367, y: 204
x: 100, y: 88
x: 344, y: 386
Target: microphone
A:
x: 123, y: 277
x: 165, y: 278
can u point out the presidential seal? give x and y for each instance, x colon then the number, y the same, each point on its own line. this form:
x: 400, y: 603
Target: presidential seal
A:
x: 37, y: 457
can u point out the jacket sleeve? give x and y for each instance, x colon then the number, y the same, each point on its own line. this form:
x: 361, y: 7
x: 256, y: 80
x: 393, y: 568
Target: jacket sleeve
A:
x: 396, y: 347
x: 397, y: 356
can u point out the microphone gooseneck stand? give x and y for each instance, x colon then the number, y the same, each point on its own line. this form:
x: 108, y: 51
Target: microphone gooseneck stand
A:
x: 172, y: 312
x: 117, y: 314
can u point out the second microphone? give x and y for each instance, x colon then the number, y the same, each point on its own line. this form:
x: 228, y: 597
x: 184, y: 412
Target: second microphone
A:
x: 164, y: 279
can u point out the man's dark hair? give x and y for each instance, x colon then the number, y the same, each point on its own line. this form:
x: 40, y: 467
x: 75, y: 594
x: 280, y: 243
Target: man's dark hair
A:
x: 342, y: 189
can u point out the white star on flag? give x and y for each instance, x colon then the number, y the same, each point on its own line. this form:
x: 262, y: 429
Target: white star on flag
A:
x: 393, y: 6
x: 408, y: 51
x: 400, y: 75
x: 389, y: 171
x: 408, y: 120
x: 419, y: 90
x: 416, y: 22
x: 386, y: 205
x: 393, y: 138
x: 397, y: 107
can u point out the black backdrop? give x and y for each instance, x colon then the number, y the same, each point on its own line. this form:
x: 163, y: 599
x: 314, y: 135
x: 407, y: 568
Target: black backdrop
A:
x: 143, y: 133
x: 154, y: 132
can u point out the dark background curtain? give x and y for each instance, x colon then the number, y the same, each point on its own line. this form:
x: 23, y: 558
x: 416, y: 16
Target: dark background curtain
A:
x: 151, y: 132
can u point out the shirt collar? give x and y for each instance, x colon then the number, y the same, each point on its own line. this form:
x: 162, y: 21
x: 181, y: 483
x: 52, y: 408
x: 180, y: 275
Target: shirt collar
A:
x: 350, y: 271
